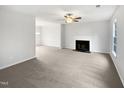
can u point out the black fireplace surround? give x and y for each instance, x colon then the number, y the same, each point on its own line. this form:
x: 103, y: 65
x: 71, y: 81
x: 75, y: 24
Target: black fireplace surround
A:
x: 83, y: 46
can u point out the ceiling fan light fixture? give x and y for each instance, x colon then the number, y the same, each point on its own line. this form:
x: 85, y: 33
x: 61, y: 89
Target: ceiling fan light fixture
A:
x: 69, y: 20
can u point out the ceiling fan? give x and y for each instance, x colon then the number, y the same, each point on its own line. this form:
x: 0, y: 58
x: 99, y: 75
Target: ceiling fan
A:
x: 69, y: 18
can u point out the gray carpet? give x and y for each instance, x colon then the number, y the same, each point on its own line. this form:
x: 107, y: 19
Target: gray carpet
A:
x: 62, y: 68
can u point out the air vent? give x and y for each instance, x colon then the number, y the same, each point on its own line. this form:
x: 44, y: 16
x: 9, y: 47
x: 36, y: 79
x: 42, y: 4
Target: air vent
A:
x: 97, y: 6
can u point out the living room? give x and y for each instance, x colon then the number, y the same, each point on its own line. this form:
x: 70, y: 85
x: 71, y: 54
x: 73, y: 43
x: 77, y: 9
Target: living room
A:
x: 39, y: 48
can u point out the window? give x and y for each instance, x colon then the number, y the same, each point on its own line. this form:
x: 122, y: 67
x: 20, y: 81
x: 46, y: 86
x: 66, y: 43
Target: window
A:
x: 114, y: 38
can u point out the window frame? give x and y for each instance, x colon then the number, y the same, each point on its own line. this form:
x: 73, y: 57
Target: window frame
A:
x: 114, y: 38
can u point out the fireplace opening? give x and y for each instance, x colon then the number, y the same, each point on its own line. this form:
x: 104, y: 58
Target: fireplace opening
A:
x: 83, y: 46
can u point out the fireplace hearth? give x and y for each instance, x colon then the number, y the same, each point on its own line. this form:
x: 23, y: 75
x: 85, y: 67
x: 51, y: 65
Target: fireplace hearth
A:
x: 83, y: 46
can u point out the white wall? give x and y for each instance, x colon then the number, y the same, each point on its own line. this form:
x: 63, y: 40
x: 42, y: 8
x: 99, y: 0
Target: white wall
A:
x: 96, y: 32
x: 119, y: 60
x: 38, y: 30
x: 62, y: 36
x: 17, y: 38
x: 50, y: 33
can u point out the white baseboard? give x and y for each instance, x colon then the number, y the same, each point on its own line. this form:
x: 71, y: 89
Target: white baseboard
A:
x: 9, y: 65
x: 117, y: 69
x: 51, y: 46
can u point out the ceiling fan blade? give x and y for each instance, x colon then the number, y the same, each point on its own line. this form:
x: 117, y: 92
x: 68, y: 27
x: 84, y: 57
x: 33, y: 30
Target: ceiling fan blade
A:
x: 78, y: 17
x: 75, y: 20
x: 65, y: 16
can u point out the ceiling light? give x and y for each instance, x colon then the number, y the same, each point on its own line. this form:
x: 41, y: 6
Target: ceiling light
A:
x: 69, y: 20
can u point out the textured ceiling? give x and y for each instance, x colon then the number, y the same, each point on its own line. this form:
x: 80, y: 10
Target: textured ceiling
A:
x: 55, y: 13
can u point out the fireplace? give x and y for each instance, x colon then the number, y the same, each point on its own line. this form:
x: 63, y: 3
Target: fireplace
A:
x: 83, y: 45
